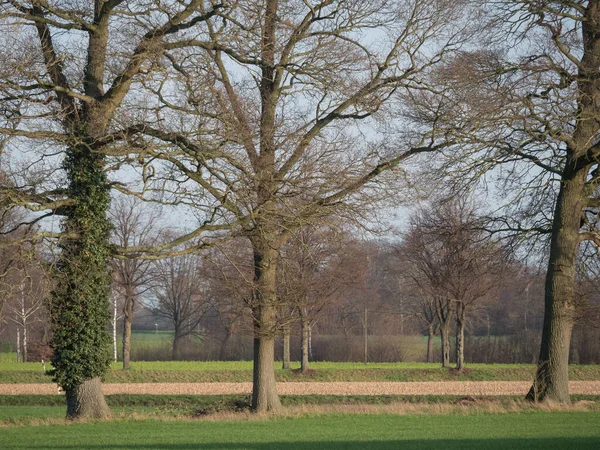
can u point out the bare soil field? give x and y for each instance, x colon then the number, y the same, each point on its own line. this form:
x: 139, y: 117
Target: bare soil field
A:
x: 479, y: 388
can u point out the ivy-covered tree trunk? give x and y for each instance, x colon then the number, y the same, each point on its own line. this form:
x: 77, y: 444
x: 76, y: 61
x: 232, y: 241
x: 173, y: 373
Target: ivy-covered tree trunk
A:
x: 80, y: 303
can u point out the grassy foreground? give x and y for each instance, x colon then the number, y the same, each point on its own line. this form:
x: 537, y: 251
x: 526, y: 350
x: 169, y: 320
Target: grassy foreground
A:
x: 534, y: 430
x: 241, y: 371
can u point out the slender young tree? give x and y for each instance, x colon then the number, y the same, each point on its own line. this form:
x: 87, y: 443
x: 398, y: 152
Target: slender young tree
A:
x: 133, y: 226
x: 229, y: 275
x: 180, y: 296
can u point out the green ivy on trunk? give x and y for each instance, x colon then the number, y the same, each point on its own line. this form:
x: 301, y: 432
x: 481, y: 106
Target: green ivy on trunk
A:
x: 79, y: 304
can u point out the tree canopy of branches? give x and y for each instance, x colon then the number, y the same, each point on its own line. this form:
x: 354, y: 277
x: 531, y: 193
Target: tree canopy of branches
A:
x: 531, y: 104
x: 180, y: 295
x: 266, y: 121
x: 133, y: 227
x: 450, y: 261
x: 311, y: 276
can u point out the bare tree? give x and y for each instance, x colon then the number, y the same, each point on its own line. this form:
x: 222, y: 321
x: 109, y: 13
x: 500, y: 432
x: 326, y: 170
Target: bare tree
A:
x: 229, y: 273
x: 424, y: 308
x: 12, y: 254
x: 25, y: 288
x: 453, y: 262
x: 310, y: 278
x: 531, y: 105
x: 133, y: 227
x: 180, y: 295
x: 267, y: 118
x: 409, y: 300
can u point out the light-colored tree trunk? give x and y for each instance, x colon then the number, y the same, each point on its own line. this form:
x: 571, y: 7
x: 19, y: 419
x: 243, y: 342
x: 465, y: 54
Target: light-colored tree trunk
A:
x: 114, y: 328
x: 86, y: 401
x: 25, y: 343
x: 18, y: 345
x: 127, y: 320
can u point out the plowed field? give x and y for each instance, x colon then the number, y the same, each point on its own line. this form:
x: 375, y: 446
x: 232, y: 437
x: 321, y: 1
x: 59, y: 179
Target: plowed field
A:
x: 316, y: 388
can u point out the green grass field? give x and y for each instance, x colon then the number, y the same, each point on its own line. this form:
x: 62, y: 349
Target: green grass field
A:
x: 241, y: 371
x: 535, y: 430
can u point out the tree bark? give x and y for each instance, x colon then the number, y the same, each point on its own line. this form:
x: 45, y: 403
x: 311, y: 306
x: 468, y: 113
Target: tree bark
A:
x: 86, y: 401
x: 224, y: 344
x: 305, y: 328
x: 127, y: 320
x: 24, y: 343
x: 175, y: 347
x: 552, y: 377
x: 114, y: 329
x: 18, y: 345
x: 286, y: 347
x: 430, y: 340
x: 264, y: 391
x: 445, y: 334
x: 460, y: 337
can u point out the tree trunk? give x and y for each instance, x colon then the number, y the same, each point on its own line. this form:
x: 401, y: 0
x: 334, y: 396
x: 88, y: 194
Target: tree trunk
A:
x: 430, y: 340
x: 127, y: 320
x: 175, y: 347
x: 286, y: 347
x: 552, y: 377
x: 445, y: 334
x: 114, y: 329
x: 460, y: 337
x: 18, y: 345
x: 224, y: 345
x: 24, y: 343
x: 305, y: 329
x: 264, y: 391
x: 86, y: 401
